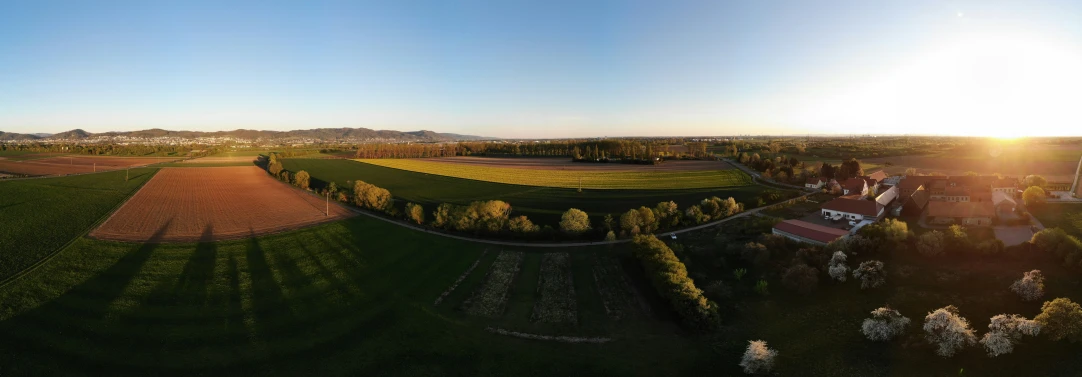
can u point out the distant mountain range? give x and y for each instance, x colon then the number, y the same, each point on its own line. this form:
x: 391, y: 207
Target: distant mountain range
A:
x: 322, y: 134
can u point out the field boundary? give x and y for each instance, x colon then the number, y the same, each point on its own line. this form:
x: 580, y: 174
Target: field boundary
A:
x: 148, y: 166
x: 41, y: 262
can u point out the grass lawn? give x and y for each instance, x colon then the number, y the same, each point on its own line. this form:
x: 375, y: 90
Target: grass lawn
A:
x: 657, y: 180
x: 348, y: 298
x: 543, y: 205
x: 41, y: 215
x: 1067, y: 216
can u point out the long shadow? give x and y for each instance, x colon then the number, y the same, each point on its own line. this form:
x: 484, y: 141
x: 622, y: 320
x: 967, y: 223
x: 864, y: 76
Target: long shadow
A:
x: 191, y: 287
x: 93, y: 299
x: 268, y: 301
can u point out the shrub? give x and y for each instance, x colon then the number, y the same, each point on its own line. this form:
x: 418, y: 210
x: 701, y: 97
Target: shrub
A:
x: 947, y: 330
x: 1030, y: 287
x: 302, y: 179
x: 931, y: 243
x: 991, y: 247
x: 1005, y: 330
x: 695, y: 214
x: 755, y: 253
x: 889, y: 230
x: 1061, y: 319
x: 838, y: 270
x: 670, y: 278
x: 371, y: 197
x: 610, y: 236
x: 762, y: 288
x: 1033, y: 196
x: 957, y: 239
x: 885, y: 324
x: 758, y: 358
x: 739, y: 273
x: 871, y: 274
x: 416, y: 213
x: 1057, y: 242
x: 814, y: 256
x: 801, y: 278
x: 575, y: 221
x: 523, y: 225
x: 443, y: 215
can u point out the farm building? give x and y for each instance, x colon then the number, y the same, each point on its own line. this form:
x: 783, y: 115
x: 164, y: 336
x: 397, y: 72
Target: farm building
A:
x: 965, y: 213
x: 1005, y: 185
x: 803, y: 231
x: 949, y: 194
x: 878, y: 176
x: 815, y: 183
x: 855, y: 186
x: 911, y: 184
x: 1004, y: 202
x: 886, y: 195
x: 853, y: 208
x: 915, y: 205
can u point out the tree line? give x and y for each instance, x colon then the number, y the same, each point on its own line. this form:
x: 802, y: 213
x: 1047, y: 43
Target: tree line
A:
x: 580, y: 150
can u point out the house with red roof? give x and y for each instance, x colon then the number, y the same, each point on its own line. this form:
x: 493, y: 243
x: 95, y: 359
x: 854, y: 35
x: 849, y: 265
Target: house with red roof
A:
x: 855, y: 186
x: 965, y: 213
x: 853, y: 208
x: 803, y: 231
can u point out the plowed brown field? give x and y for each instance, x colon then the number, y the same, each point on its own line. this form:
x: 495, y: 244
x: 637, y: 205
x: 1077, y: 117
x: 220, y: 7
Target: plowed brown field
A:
x: 213, y: 204
x: 76, y: 164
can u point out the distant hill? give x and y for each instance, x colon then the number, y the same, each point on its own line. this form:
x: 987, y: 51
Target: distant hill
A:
x: 15, y: 136
x: 322, y: 134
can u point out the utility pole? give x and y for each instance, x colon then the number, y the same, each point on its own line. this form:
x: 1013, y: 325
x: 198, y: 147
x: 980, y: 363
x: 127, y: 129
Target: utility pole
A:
x: 328, y: 204
x: 126, y: 174
x: 95, y: 167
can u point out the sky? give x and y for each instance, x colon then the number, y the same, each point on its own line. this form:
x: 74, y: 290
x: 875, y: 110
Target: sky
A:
x: 545, y: 69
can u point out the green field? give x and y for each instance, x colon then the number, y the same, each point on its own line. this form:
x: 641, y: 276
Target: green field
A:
x: 348, y: 298
x: 1067, y: 216
x: 657, y: 180
x: 41, y: 215
x: 543, y: 205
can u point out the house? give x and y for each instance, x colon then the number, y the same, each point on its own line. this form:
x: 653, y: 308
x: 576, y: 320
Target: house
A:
x: 855, y: 186
x: 886, y: 195
x: 948, y: 193
x: 853, y: 208
x: 1005, y: 185
x: 803, y: 231
x: 878, y: 176
x: 1004, y: 202
x: 815, y: 183
x: 910, y: 184
x: 965, y: 213
x: 916, y: 204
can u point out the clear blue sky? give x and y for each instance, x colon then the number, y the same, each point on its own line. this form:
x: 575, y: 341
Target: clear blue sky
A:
x: 543, y: 68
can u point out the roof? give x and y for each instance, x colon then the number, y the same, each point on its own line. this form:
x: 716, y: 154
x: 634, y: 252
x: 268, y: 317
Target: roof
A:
x: 869, y: 181
x: 1005, y: 182
x: 961, y: 209
x: 857, y: 206
x: 914, y: 181
x: 855, y: 184
x: 919, y: 198
x: 810, y: 231
x: 886, y: 196
x: 956, y: 191
x: 815, y: 181
x: 878, y: 175
x: 999, y: 197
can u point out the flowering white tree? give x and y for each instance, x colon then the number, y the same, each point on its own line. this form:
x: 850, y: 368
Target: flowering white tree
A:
x: 837, y: 268
x: 948, y: 330
x: 1005, y: 330
x: 885, y: 324
x: 1030, y: 286
x: 758, y: 358
x: 871, y: 274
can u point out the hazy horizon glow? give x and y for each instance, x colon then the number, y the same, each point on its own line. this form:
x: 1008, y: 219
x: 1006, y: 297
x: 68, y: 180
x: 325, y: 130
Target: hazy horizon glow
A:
x: 546, y: 69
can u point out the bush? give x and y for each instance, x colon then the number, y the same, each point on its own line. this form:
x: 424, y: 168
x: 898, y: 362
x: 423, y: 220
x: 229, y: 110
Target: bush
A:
x: 932, y: 243
x: 758, y: 358
x: 415, y: 213
x: 762, y: 288
x: 1061, y: 319
x: 670, y: 278
x: 814, y: 256
x: 489, y: 216
x: 1030, y: 287
x: 523, y: 225
x: 871, y: 274
x: 889, y: 230
x: 947, y: 330
x: 957, y: 239
x: 371, y: 197
x: 885, y: 324
x: 1057, y: 242
x: 1034, y: 196
x: 1005, y: 330
x: 575, y: 221
x: 838, y: 270
x: 302, y: 179
x: 991, y: 247
x: 610, y: 236
x: 801, y: 278
x: 755, y: 253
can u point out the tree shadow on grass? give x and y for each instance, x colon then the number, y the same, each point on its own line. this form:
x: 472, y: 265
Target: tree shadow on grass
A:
x: 268, y: 301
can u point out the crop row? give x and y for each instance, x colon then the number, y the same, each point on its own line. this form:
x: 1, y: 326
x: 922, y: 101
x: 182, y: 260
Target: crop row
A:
x: 556, y: 301
x: 572, y: 178
x: 490, y: 298
x: 616, y: 293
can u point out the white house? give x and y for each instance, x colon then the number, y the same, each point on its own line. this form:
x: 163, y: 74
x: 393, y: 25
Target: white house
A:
x: 853, y: 209
x: 855, y: 186
x: 815, y: 183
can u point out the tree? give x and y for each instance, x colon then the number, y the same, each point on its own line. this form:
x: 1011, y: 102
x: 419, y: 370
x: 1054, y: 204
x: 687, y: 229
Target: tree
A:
x: 371, y: 197
x: 631, y: 222
x: 885, y: 324
x: 1030, y: 287
x: 931, y: 243
x: 522, y: 225
x: 889, y: 230
x: 649, y: 222
x: 871, y: 274
x: 990, y: 247
x: 755, y: 253
x: 1034, y: 181
x: 275, y: 168
x: 957, y: 238
x: 1061, y: 319
x: 670, y: 278
x: 332, y: 188
x: 947, y: 330
x: 838, y: 270
x: 1033, y: 196
x: 909, y: 172
x: 667, y: 214
x: 758, y: 358
x: 442, y: 217
x: 801, y: 278
x: 301, y: 180
x: 415, y: 213
x: 574, y: 221
x: 1006, y: 330
x: 610, y: 236
x: 695, y: 214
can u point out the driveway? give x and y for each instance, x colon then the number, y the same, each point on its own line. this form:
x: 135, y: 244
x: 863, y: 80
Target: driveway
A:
x: 1013, y: 235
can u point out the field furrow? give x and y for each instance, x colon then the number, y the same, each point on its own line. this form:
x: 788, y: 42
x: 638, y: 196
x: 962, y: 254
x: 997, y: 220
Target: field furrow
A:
x: 490, y: 299
x: 556, y: 292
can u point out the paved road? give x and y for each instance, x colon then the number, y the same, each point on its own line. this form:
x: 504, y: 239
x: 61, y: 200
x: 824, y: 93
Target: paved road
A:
x: 554, y: 244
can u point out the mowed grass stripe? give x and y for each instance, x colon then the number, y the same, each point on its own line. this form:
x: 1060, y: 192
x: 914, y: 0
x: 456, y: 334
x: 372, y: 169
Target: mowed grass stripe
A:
x: 573, y: 179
